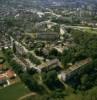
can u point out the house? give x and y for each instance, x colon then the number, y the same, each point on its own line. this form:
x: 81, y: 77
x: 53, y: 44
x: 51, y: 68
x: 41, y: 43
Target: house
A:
x: 10, y: 74
x: 6, y: 76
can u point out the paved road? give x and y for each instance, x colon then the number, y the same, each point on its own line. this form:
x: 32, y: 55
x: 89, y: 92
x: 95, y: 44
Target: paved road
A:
x: 78, y: 27
x: 28, y: 95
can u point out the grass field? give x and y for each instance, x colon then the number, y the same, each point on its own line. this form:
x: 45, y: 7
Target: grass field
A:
x: 1, y: 54
x: 13, y: 92
x: 89, y: 30
x: 6, y: 64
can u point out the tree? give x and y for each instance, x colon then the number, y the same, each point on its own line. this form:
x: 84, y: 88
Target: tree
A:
x: 84, y: 79
x: 51, y: 80
x: 68, y: 56
x: 14, y: 48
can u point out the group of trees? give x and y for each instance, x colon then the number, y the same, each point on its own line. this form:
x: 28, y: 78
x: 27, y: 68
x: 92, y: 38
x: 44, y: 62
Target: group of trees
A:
x: 67, y: 20
x: 87, y: 40
x: 88, y: 80
x: 51, y: 80
x: 72, y: 55
x: 86, y: 46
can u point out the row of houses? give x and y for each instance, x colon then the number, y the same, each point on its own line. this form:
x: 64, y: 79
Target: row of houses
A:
x: 44, y: 67
x: 4, y: 41
x: 20, y: 49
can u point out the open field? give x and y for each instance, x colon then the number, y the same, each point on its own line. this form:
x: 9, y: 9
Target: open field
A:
x: 14, y: 92
x: 1, y: 54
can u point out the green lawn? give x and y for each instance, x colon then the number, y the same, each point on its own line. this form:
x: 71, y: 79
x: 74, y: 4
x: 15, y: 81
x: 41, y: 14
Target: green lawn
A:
x: 13, y: 92
x: 6, y: 64
x: 93, y: 31
x: 88, y: 95
x: 1, y: 54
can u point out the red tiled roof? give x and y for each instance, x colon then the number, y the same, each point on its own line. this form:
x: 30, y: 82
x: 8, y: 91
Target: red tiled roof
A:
x: 2, y: 77
x: 1, y: 65
x: 10, y: 73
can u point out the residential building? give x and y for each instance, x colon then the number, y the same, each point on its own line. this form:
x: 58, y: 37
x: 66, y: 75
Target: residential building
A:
x: 49, y: 65
x: 47, y: 36
x: 77, y: 68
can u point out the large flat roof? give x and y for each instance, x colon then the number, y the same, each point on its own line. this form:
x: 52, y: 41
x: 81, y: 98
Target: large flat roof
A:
x: 77, y: 65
